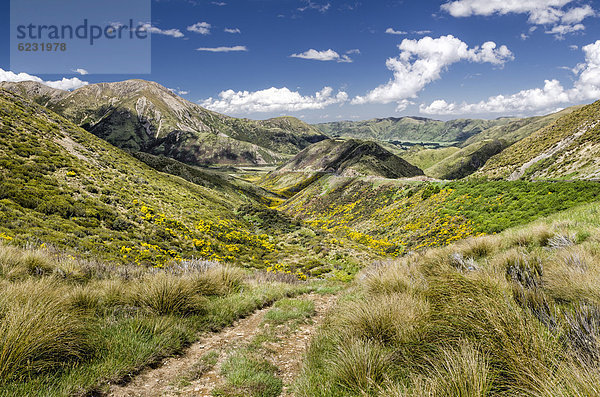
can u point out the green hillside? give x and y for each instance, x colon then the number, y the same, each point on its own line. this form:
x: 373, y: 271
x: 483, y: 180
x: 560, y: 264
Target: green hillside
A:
x: 144, y: 116
x: 395, y: 217
x: 568, y: 148
x: 61, y: 186
x: 467, y: 160
x: 350, y: 157
x: 457, y: 162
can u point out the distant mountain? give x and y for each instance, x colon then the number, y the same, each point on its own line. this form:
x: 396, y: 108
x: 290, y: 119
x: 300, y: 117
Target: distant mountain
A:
x: 145, y: 116
x: 411, y: 129
x: 459, y: 161
x: 351, y: 157
x: 337, y: 157
x: 568, y: 148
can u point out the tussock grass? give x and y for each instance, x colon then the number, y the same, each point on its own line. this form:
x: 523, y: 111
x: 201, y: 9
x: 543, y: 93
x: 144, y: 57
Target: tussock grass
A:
x: 384, y: 319
x: 460, y: 371
x: 70, y: 326
x: 478, y: 247
x: 360, y: 365
x: 37, y: 333
x: 386, y: 279
x: 166, y: 294
x: 524, y: 320
x: 537, y: 235
x: 219, y: 280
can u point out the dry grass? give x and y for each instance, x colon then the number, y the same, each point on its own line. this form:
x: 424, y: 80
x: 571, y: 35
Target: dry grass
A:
x: 384, y: 319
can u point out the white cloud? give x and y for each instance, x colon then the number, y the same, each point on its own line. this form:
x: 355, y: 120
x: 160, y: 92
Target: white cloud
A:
x: 354, y: 51
x: 322, y: 8
x: 232, y: 30
x: 82, y: 72
x: 218, y: 3
x: 273, y: 100
x: 551, y: 13
x: 527, y: 100
x: 169, y: 32
x: 397, y: 32
x: 585, y: 88
x: 237, y: 48
x: 578, y: 14
x: 326, y: 55
x: 422, y: 32
x: 200, y: 27
x: 561, y: 30
x: 422, y: 61
x: 64, y: 84
x: 178, y: 91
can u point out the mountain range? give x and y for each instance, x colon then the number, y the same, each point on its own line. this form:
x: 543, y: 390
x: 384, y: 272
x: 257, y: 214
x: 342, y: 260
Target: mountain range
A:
x: 144, y: 116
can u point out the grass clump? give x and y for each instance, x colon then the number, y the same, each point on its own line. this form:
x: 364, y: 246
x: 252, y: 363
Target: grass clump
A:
x: 166, y: 294
x: 37, y: 332
x: 360, y: 365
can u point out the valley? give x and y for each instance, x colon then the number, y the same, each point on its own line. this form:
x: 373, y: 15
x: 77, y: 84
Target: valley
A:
x: 149, y: 245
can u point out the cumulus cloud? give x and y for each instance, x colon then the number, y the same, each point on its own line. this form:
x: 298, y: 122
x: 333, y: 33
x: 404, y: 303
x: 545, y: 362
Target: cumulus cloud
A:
x: 553, y: 13
x: 422, y: 61
x: 585, y: 88
x: 82, y: 72
x: 237, y: 48
x: 200, y: 27
x: 176, y: 33
x: 232, y: 30
x: 273, y: 100
x: 396, y: 32
x: 64, y: 84
x: 327, y: 55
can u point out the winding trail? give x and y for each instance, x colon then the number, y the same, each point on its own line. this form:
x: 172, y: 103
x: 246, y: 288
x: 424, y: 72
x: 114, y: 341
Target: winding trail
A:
x: 287, y: 355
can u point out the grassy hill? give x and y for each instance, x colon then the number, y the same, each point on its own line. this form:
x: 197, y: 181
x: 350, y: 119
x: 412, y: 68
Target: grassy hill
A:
x: 144, y: 116
x: 410, y: 129
x: 568, y: 148
x: 467, y: 160
x: 61, y: 186
x: 350, y: 157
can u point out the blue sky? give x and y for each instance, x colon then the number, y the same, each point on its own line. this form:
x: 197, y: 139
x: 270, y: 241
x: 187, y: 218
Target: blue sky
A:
x: 326, y: 60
